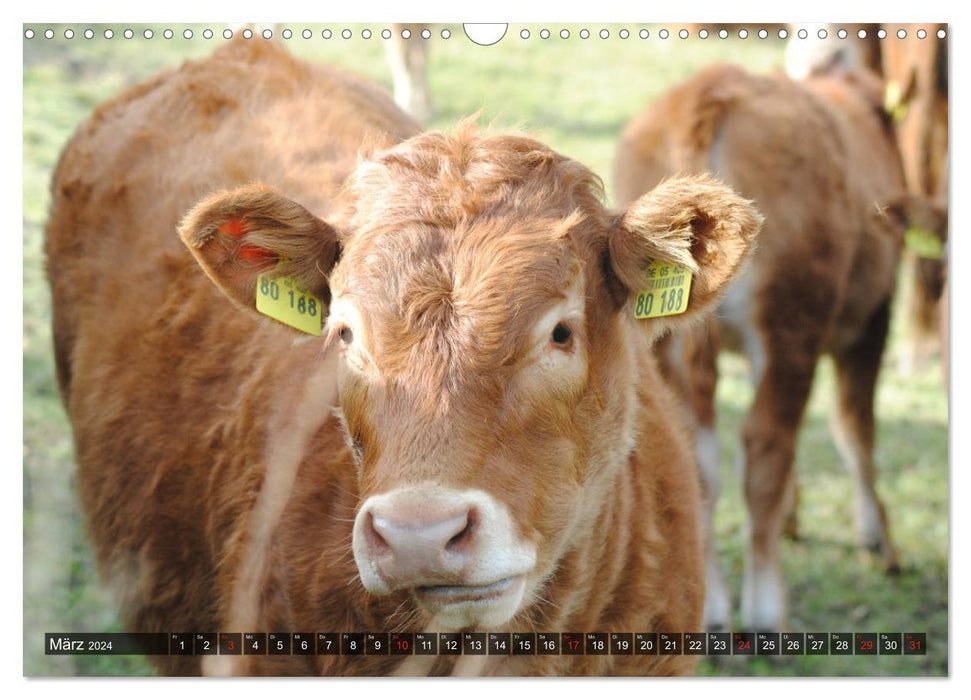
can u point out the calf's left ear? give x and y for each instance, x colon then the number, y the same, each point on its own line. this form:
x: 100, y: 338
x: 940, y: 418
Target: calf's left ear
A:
x: 696, y: 222
x: 238, y: 234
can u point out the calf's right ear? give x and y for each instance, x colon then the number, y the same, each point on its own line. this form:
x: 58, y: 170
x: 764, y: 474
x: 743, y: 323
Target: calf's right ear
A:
x: 236, y: 235
x: 695, y: 222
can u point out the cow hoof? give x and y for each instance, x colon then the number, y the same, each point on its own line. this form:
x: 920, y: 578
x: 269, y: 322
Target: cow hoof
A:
x: 891, y: 565
x: 718, y: 615
x: 763, y: 601
x: 718, y: 607
x: 762, y: 615
x: 886, y: 551
x: 871, y: 532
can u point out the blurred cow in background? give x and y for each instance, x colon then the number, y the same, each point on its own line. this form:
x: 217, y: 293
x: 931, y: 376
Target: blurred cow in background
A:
x: 915, y: 73
x: 820, y: 161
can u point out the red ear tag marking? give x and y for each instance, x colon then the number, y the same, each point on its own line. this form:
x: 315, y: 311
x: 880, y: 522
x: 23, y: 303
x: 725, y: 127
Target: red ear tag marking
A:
x: 233, y: 227
x: 252, y: 252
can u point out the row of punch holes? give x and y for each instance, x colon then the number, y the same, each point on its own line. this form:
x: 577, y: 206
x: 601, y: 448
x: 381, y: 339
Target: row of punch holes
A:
x: 446, y: 33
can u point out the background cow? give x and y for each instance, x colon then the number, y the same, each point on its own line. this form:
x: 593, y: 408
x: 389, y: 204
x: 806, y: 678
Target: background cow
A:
x: 915, y: 73
x: 820, y: 161
x: 503, y: 454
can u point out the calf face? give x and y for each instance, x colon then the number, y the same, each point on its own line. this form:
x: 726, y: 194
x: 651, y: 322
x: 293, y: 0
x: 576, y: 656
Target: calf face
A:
x: 480, y: 294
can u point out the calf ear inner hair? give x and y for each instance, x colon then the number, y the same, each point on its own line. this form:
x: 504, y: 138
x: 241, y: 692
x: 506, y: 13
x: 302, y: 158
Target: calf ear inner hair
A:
x: 615, y: 288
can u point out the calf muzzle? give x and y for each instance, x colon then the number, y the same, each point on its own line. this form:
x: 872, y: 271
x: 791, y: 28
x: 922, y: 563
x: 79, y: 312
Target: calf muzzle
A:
x: 456, y: 551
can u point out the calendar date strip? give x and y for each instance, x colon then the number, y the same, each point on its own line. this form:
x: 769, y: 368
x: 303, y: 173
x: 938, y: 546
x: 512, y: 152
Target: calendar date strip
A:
x: 488, y: 643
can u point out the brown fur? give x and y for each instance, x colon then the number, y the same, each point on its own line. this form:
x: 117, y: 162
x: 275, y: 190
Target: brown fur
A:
x: 211, y: 461
x: 915, y: 73
x: 820, y: 161
x: 918, y: 71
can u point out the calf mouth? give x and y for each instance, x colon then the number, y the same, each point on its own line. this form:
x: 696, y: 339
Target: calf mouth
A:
x: 445, y: 595
x: 463, y: 606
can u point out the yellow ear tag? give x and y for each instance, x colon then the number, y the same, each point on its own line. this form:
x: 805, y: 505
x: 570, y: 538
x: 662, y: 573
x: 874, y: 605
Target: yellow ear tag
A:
x: 282, y: 299
x: 924, y: 243
x: 893, y: 102
x: 667, y: 293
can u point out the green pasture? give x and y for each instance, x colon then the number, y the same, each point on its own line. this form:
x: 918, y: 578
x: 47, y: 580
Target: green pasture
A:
x: 575, y: 94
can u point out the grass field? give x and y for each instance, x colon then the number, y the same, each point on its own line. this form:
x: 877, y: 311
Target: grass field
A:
x: 576, y: 95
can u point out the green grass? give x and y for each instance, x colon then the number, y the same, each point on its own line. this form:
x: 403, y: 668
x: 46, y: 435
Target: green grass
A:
x: 576, y: 95
x: 835, y: 586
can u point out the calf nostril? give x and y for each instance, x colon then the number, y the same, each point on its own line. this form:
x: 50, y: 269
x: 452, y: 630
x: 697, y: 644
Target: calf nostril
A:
x: 379, y: 546
x: 463, y: 536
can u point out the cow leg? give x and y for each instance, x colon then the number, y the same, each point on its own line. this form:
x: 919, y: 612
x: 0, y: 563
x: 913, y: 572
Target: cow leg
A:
x: 718, y: 604
x: 688, y: 360
x: 790, y: 527
x: 406, y: 58
x: 702, y: 343
x: 768, y: 442
x: 852, y: 424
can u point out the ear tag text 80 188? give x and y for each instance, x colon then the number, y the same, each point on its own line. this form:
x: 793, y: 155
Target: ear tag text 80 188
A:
x: 284, y: 300
x: 669, y: 285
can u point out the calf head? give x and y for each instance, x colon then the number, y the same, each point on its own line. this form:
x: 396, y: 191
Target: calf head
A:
x: 479, y: 293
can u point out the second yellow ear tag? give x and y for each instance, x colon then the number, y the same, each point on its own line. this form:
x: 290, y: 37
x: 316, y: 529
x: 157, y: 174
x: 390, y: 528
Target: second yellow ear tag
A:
x: 667, y: 294
x: 893, y: 103
x: 282, y: 299
x: 924, y: 243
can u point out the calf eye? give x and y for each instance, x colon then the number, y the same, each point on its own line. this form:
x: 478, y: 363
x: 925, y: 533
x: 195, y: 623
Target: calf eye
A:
x: 561, y: 336
x: 346, y: 335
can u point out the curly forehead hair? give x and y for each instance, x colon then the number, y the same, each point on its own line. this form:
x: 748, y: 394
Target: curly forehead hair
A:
x: 441, y: 181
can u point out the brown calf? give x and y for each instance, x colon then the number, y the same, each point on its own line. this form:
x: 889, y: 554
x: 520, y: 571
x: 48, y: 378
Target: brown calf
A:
x: 479, y: 440
x: 820, y: 162
x: 915, y: 73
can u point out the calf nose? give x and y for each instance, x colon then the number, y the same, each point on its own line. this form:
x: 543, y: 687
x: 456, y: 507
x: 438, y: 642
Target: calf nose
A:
x: 411, y: 541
